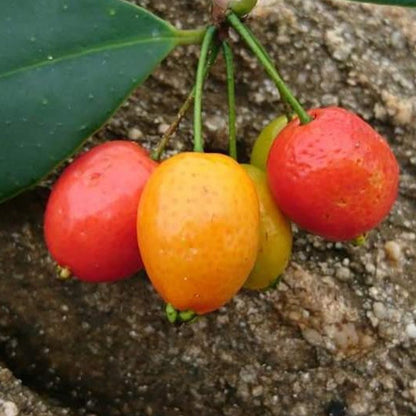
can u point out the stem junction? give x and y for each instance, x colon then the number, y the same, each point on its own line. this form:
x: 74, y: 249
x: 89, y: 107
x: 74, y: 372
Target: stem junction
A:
x: 261, y: 54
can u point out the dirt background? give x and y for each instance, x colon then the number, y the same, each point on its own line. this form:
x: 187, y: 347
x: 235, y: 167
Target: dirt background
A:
x: 337, y: 337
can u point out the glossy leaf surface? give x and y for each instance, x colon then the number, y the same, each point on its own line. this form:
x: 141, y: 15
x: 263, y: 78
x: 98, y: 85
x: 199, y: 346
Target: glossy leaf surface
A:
x: 65, y: 67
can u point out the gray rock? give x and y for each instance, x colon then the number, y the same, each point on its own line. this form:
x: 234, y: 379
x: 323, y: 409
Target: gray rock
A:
x: 18, y: 400
x: 107, y: 350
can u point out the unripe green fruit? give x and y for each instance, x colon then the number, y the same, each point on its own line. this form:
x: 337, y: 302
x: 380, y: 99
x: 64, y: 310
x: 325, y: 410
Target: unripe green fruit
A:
x: 265, y: 140
x: 275, y: 236
x: 242, y: 7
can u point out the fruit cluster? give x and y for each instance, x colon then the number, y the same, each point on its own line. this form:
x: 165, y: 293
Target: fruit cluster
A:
x: 203, y: 225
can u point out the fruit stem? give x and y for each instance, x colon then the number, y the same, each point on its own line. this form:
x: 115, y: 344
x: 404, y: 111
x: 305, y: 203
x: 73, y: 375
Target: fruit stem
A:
x: 229, y: 64
x: 157, y: 153
x: 190, y: 37
x: 254, y: 44
x: 199, y: 85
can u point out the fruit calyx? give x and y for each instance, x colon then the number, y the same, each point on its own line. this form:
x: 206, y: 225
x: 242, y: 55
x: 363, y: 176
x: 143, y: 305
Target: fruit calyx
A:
x: 63, y: 272
x: 175, y: 316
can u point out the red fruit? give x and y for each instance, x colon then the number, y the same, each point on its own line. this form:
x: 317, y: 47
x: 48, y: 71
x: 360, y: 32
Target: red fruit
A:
x: 90, y: 219
x: 335, y: 176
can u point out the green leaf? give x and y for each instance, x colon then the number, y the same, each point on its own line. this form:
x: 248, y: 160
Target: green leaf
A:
x: 404, y: 3
x: 65, y: 67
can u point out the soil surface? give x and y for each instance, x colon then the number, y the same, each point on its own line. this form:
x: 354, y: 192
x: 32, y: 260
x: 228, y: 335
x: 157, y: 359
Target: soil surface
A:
x: 337, y: 337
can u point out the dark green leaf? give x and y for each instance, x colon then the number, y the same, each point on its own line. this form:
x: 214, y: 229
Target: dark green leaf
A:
x: 65, y: 67
x: 404, y: 3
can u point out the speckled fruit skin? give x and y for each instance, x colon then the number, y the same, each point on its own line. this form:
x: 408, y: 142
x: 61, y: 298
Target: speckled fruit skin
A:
x: 335, y: 176
x: 90, y: 218
x: 275, y: 246
x: 199, y: 230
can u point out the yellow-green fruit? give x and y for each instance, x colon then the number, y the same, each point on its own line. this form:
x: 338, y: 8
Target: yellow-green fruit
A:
x: 275, y: 246
x: 242, y: 7
x: 265, y: 140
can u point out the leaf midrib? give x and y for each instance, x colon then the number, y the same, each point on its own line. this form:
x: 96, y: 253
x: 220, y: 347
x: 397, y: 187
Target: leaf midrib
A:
x: 91, y: 51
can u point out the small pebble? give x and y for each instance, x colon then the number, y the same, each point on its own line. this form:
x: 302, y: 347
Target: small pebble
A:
x: 370, y: 268
x: 393, y: 251
x: 411, y: 330
x: 214, y: 123
x: 257, y: 391
x: 163, y: 128
x: 8, y: 409
x: 343, y: 273
x: 135, y: 134
x: 379, y: 310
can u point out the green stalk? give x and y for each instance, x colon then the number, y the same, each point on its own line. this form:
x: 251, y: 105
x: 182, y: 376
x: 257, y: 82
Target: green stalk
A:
x: 199, y: 85
x: 229, y: 64
x: 255, y: 46
x: 189, y: 37
x: 157, y: 153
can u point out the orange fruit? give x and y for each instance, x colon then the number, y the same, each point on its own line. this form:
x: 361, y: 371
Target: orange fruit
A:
x: 199, y: 230
x: 275, y: 236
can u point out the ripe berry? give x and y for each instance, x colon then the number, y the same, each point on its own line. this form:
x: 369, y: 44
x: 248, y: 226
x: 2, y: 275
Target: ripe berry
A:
x: 275, y: 236
x: 335, y: 176
x: 90, y: 218
x: 199, y: 230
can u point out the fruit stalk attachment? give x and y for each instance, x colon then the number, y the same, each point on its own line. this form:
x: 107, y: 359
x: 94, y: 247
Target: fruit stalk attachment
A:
x: 206, y: 45
x: 263, y: 57
x: 189, y: 37
x: 229, y: 64
x: 157, y: 153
